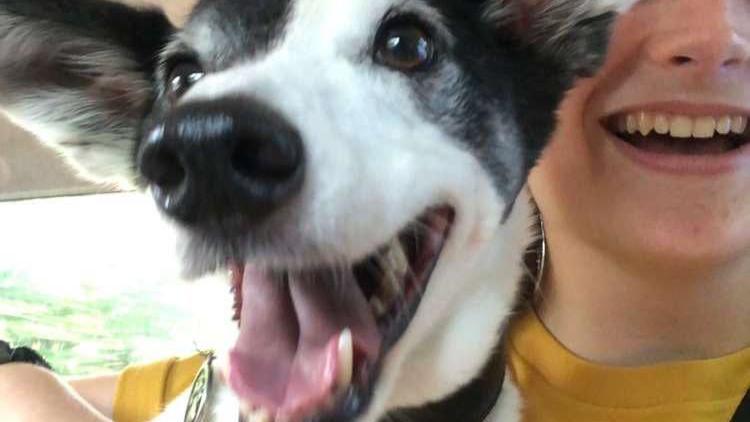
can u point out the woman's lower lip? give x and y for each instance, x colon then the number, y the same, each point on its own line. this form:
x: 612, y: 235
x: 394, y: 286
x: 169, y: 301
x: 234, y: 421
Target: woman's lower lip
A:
x: 680, y: 164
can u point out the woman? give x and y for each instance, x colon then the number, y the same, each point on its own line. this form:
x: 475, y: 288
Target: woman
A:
x: 641, y: 311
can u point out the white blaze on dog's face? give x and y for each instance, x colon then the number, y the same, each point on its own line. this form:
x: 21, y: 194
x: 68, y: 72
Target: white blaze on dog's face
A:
x: 357, y: 163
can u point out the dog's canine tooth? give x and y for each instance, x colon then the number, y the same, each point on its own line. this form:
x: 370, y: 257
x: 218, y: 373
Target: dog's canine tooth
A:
x: 260, y: 415
x: 254, y: 413
x: 345, y: 360
x: 246, y: 409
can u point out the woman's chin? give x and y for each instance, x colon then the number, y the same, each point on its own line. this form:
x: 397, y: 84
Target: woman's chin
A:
x: 676, y: 244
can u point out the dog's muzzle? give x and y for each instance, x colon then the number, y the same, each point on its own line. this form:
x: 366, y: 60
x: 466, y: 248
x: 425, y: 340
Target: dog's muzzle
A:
x: 312, y: 340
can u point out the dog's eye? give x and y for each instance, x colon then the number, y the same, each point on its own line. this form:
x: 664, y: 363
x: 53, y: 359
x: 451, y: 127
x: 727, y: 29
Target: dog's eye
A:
x: 404, y: 45
x: 182, y: 77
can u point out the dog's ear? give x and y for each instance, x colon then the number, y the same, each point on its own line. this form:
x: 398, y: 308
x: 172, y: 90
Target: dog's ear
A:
x: 79, y: 75
x: 574, y: 32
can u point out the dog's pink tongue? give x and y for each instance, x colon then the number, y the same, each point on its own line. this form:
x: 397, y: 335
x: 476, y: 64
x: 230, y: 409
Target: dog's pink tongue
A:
x: 286, y: 357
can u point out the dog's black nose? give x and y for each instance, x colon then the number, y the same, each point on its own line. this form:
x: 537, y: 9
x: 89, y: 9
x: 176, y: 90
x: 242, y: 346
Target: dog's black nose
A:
x: 222, y: 159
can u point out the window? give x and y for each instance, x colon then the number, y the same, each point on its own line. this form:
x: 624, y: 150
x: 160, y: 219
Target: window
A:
x: 92, y: 281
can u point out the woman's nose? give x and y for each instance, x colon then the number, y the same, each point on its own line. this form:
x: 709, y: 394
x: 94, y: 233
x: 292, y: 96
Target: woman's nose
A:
x: 702, y: 41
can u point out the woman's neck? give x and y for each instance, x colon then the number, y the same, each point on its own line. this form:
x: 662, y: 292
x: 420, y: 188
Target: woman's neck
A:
x: 613, y: 314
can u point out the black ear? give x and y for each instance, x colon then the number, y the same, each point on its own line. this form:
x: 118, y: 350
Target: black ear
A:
x: 79, y: 75
x: 573, y: 32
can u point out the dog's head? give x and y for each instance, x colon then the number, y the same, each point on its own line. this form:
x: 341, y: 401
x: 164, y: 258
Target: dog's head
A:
x: 356, y: 163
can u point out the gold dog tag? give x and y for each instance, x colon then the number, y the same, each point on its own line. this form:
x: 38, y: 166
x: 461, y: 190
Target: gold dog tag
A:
x: 200, y: 393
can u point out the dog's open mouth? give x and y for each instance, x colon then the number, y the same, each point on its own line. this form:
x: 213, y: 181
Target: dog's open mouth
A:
x: 311, y: 343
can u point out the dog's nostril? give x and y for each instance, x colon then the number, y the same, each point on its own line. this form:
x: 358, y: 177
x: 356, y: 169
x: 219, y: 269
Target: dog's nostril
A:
x: 163, y: 167
x: 169, y: 172
x: 276, y: 159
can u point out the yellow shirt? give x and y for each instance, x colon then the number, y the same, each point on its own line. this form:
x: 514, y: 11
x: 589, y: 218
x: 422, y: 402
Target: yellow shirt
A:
x: 144, y: 390
x: 558, y: 386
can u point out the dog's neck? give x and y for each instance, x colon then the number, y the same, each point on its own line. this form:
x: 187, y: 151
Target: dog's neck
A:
x: 473, y: 403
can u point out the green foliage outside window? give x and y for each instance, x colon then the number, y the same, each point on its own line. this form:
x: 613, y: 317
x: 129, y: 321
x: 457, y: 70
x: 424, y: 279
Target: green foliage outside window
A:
x: 100, y: 332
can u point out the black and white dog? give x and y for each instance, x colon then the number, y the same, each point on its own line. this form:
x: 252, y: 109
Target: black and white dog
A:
x: 357, y: 164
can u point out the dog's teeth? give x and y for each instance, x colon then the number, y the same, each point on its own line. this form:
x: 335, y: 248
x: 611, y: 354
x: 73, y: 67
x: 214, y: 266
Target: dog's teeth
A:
x: 398, y: 259
x: 255, y: 414
x: 247, y: 409
x: 260, y: 415
x: 396, y: 267
x: 345, y: 360
x: 377, y: 307
x: 389, y: 287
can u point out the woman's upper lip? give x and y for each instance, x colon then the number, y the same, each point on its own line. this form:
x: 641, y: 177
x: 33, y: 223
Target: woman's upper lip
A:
x: 683, y: 108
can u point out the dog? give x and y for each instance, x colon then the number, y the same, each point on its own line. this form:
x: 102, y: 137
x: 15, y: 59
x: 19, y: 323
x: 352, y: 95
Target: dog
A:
x: 358, y: 165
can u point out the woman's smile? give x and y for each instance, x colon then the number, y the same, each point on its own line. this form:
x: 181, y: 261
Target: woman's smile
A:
x: 682, y: 138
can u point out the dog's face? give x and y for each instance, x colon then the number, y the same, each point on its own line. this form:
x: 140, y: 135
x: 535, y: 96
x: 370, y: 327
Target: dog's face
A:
x: 356, y: 164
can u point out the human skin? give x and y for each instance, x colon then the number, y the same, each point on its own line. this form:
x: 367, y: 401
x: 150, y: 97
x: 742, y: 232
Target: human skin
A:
x: 29, y: 393
x: 650, y: 263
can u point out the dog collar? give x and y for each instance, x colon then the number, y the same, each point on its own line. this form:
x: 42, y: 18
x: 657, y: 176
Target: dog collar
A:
x: 200, y: 398
x: 473, y: 403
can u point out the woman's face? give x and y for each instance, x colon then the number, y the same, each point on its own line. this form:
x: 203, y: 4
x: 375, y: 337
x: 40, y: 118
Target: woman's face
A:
x: 651, y: 159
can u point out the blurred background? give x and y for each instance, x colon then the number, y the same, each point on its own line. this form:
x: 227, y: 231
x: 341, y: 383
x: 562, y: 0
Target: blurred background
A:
x: 89, y: 275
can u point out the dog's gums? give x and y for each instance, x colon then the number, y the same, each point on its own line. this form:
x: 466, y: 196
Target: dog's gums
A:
x: 312, y: 342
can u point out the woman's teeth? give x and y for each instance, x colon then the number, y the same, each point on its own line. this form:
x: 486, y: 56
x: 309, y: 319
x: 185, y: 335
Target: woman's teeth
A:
x: 680, y: 126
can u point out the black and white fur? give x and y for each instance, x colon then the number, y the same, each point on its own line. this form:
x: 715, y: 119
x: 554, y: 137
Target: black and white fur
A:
x: 87, y: 77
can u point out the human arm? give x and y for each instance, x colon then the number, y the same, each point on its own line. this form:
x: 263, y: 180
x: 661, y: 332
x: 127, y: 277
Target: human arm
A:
x: 98, y: 391
x: 30, y: 393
